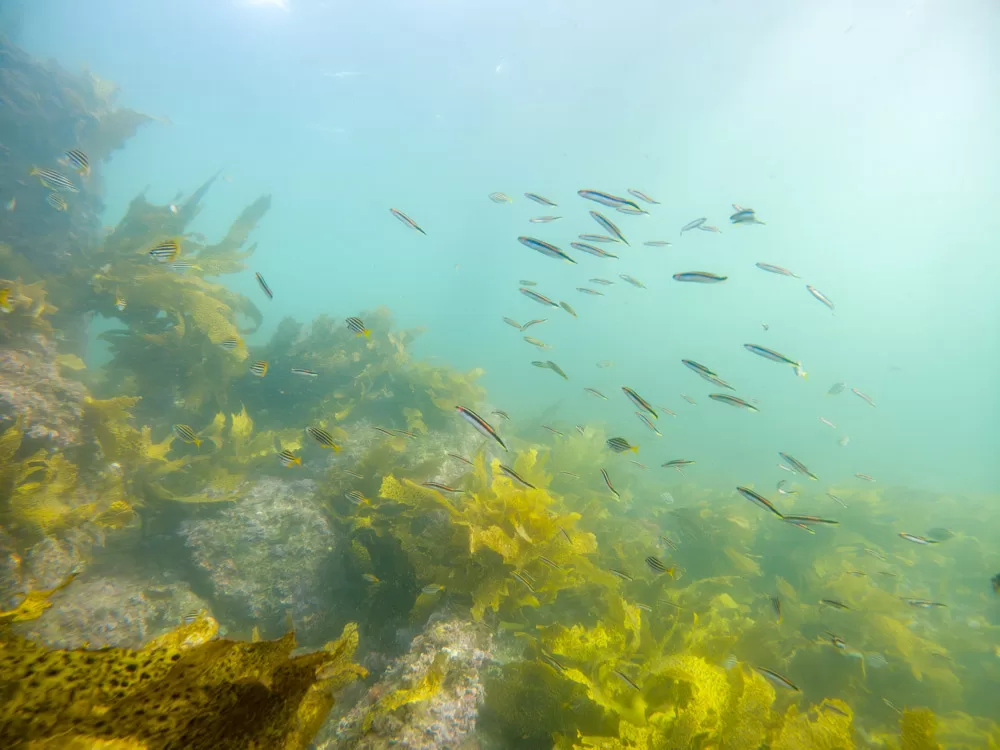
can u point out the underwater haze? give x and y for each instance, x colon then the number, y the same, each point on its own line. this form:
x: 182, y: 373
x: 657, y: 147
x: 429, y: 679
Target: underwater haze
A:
x: 736, y: 486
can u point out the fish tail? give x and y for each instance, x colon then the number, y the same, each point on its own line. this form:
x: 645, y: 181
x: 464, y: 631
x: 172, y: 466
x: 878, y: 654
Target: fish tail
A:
x: 634, y: 449
x: 336, y: 448
x: 367, y: 333
x: 197, y: 442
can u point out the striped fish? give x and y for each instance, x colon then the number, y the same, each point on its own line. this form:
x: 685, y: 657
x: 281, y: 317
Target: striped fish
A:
x: 620, y: 574
x: 509, y: 472
x: 693, y: 224
x: 725, y: 398
x: 53, y: 180
x: 916, y: 539
x: 642, y: 196
x: 358, y: 327
x: 57, y: 202
x: 323, y: 437
x: 78, y: 160
x: 263, y: 286
x: 700, y: 277
x: 656, y: 565
x: 608, y: 226
x: 406, y: 220
x: 705, y: 373
x: 606, y: 199
x: 259, y: 368
x: 776, y: 679
x: 229, y: 344
x: 770, y: 268
x: 167, y: 251
x: 304, y: 373
x: 543, y: 219
x: 540, y: 298
x: 440, y: 487
x: 677, y: 463
x: 639, y: 401
x: 625, y: 678
x: 534, y: 322
x: 539, y: 199
x: 500, y: 198
x: 544, y: 248
x: 585, y: 248
x: 289, y: 459
x: 591, y: 292
x: 607, y: 481
x: 646, y: 421
x: 597, y: 238
x: 763, y: 351
x: 798, y: 466
x: 186, y: 434
x: 595, y: 392
x: 484, y: 427
x: 810, y: 520
x: 758, y: 500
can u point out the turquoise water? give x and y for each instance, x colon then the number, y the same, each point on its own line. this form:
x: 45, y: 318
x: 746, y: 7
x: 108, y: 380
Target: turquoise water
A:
x: 864, y: 137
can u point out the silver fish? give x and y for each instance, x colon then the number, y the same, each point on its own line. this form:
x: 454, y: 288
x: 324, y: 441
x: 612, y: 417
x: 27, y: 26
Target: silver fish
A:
x: 540, y: 298
x: 597, y: 238
x: 544, y: 248
x: 606, y: 199
x: 608, y: 226
x: 584, y: 247
x: 725, y: 398
x: 539, y: 199
x: 543, y: 219
x: 863, y: 396
x: 693, y: 224
x: 776, y: 269
x: 642, y: 196
x: 799, y: 467
x: 700, y: 277
x: 705, y: 373
x: 819, y: 295
x: 406, y: 220
x: 631, y: 280
x: 657, y: 243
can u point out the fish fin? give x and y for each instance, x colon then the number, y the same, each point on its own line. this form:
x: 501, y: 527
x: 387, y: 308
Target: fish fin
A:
x: 367, y: 333
x: 197, y: 442
x: 336, y: 449
x: 634, y: 449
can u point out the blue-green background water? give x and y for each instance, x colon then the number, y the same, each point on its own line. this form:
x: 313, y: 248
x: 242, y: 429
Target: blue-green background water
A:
x: 864, y: 136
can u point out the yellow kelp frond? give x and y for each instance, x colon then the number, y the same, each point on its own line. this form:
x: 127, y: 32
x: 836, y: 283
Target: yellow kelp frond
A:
x: 118, y: 515
x: 242, y: 426
x: 918, y: 730
x: 25, y: 310
x: 426, y: 687
x: 35, y: 602
x: 746, y: 719
x: 109, y: 421
x: 699, y: 692
x: 181, y: 690
x: 580, y: 644
x: 43, y: 499
x: 10, y: 444
x: 816, y: 730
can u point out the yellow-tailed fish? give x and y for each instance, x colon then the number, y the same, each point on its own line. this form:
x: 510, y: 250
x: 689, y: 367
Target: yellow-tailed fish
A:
x: 167, y: 251
x: 358, y: 327
x: 53, y: 180
x: 186, y: 434
x: 289, y: 459
x: 78, y: 160
x: 323, y: 437
x: 259, y: 368
x: 620, y: 445
x: 57, y: 202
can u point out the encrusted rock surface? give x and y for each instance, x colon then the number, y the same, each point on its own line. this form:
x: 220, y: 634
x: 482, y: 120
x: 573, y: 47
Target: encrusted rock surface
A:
x: 445, y: 719
x: 268, y: 554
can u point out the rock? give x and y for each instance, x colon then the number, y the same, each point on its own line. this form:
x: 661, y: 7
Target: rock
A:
x: 451, y: 651
x: 123, y: 611
x: 272, y: 552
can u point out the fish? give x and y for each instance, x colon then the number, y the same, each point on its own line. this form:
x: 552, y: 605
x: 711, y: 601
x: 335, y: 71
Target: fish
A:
x: 607, y: 481
x: 57, y: 202
x: 770, y: 268
x: 709, y: 228
x: 539, y: 199
x: 522, y: 579
x: 556, y: 432
x: 323, y: 437
x: 550, y: 365
x: 627, y: 681
x: 540, y: 298
x: 694, y: 224
x: 406, y: 220
x: 646, y: 421
x: 995, y: 583
x: 78, y: 160
x: 641, y: 466
x: 827, y: 422
x: 167, y: 251
x: 608, y: 226
x: 892, y: 705
x: 620, y: 445
x: 230, y: 344
x: 643, y: 607
x: 745, y: 216
x: 120, y: 302
x: 865, y: 477
x: 642, y: 196
x: 535, y: 342
x: 676, y: 463
x: 516, y: 477
x: 355, y: 497
x: 11, y: 204
x: 304, y: 372
x: 191, y: 615
x: 183, y: 265
x: 602, y: 282
x: 924, y: 603
x: 484, y: 427
x: 259, y: 368
x: 502, y: 414
x: 835, y: 640
x: 500, y: 198
x: 776, y: 606
x: 595, y: 392
x: 639, y: 401
x: 53, y: 180
x: 431, y: 589
x: 656, y: 565
x: 759, y: 500
x: 729, y: 662
x: 834, y: 710
x: 457, y: 457
x: 606, y: 199
x: 289, y: 459
x: 876, y: 554
x: 657, y: 243
x: 819, y: 295
x: 765, y: 326
x: 534, y: 322
x: 550, y: 563
x: 781, y: 488
x: 597, y: 238
x: 763, y: 351
x: 836, y: 499
x: 605, y: 363
x: 405, y: 433
x: 834, y: 603
x: 776, y: 679
x: 592, y: 292
x: 700, y: 277
x: 370, y: 578
x: 527, y: 282
x: 631, y: 280
x: 544, y: 219
x: 725, y: 398
x: 551, y: 661
x: 264, y: 287
x: 570, y: 474
x: 358, y: 327
x: 863, y: 396
x: 811, y: 520
x: 440, y: 487
x: 705, y: 373
x: 688, y: 399
x: 581, y: 429
x: 383, y: 430
x: 916, y: 539
x: 568, y: 308
x: 836, y: 388
x: 620, y: 574
x: 798, y: 466
x: 186, y: 434
x: 353, y: 474
x: 545, y: 248
x: 628, y: 210
x: 591, y: 249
